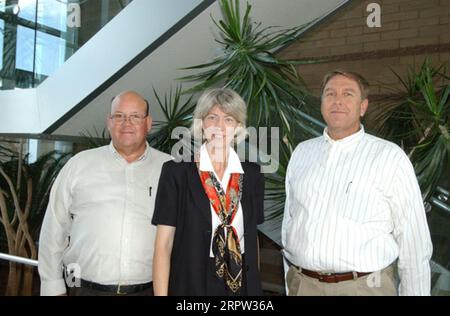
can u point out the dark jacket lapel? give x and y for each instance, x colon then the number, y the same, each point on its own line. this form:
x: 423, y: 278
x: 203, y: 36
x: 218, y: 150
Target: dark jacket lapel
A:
x: 198, y: 193
x: 246, y: 198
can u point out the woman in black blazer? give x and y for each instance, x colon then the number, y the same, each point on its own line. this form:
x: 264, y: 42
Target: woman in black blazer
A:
x: 207, y: 210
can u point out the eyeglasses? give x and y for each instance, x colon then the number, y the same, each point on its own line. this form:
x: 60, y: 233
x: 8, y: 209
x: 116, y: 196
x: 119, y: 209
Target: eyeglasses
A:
x: 135, y: 119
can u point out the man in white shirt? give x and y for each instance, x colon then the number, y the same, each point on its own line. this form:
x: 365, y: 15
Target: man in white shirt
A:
x: 353, y: 207
x: 97, y: 227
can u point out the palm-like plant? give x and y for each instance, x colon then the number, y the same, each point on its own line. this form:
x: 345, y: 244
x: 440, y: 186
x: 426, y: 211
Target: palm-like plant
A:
x: 272, y: 88
x: 432, y: 151
x: 417, y: 117
x: 275, y: 191
x: 176, y: 114
x: 43, y: 172
x: 95, y: 139
x: 24, y: 194
x: 6, y: 152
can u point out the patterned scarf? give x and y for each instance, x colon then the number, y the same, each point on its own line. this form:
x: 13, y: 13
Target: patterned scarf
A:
x: 226, y: 248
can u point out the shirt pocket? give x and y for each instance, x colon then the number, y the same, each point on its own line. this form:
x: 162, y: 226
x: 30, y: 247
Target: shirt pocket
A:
x: 144, y: 199
x: 360, y: 202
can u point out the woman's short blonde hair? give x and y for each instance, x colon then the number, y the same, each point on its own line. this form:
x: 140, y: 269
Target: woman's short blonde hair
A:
x: 229, y: 102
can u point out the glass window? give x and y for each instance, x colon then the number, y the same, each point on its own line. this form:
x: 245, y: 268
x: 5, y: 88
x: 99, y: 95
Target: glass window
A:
x: 53, y: 14
x: 43, y: 23
x: 2, y: 29
x: 25, y: 48
x: 32, y: 150
x: 27, y: 9
x: 50, y: 53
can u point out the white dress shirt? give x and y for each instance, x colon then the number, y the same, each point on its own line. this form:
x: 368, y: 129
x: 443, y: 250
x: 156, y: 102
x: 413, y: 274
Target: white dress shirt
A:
x: 355, y: 205
x: 234, y: 166
x: 99, y: 218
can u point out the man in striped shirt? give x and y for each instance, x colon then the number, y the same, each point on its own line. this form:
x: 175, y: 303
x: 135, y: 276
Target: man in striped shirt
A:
x: 353, y: 207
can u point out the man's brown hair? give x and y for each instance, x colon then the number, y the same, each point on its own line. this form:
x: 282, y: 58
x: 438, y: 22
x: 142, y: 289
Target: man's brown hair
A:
x: 360, y: 80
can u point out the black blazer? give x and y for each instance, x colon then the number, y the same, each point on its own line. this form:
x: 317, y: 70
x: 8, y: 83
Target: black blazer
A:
x: 182, y: 202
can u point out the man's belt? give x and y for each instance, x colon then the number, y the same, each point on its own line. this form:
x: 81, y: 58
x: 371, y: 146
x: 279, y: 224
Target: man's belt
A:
x: 329, y: 277
x: 118, y: 289
x: 333, y: 277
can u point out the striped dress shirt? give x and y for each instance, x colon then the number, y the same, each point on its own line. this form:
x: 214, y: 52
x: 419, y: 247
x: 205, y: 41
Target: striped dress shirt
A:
x: 355, y: 205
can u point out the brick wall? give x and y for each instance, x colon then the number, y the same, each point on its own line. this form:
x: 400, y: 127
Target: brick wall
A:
x: 410, y: 30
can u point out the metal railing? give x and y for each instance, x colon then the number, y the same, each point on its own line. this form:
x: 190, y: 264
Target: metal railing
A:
x: 441, y: 199
x: 30, y: 262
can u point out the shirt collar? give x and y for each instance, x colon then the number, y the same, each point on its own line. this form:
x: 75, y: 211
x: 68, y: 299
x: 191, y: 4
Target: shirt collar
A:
x: 116, y: 154
x: 234, y: 164
x: 347, y: 141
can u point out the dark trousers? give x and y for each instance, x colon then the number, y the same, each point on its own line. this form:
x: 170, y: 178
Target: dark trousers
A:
x: 83, y: 291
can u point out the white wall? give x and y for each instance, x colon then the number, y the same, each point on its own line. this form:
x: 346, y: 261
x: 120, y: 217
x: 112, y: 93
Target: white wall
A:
x: 18, y: 112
